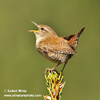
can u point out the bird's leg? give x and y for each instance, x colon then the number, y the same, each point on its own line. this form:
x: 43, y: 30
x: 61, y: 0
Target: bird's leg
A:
x: 48, y: 69
x: 63, y: 66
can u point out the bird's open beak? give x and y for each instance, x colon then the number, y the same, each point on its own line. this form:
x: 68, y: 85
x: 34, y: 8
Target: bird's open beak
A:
x: 35, y: 31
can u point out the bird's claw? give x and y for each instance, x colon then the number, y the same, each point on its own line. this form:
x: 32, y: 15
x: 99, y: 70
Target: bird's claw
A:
x: 48, y: 69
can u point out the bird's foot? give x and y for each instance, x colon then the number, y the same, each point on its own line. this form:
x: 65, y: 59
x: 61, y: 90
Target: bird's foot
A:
x: 48, y: 69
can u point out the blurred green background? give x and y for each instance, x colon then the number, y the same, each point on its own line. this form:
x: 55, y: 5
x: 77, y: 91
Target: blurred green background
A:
x: 22, y: 67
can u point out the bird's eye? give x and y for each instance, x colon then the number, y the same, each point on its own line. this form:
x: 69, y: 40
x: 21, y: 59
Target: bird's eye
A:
x: 42, y: 28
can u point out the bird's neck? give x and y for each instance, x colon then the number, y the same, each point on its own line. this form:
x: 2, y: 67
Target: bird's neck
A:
x: 39, y: 38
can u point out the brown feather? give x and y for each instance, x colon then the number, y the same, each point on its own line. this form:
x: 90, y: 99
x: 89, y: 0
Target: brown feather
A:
x: 73, y: 39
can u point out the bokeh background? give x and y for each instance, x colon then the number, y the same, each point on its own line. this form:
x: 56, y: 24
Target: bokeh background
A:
x: 22, y: 67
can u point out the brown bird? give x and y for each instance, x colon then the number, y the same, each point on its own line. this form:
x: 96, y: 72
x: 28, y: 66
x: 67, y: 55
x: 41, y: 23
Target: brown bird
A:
x: 54, y: 48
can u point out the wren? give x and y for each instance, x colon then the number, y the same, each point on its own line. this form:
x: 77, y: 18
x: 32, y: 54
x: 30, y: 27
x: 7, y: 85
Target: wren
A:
x: 56, y: 49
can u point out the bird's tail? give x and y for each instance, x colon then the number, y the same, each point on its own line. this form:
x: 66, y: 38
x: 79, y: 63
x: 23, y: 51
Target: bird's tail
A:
x: 73, y: 39
x: 79, y: 32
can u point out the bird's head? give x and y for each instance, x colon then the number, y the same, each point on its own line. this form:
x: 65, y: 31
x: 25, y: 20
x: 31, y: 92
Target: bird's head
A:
x: 43, y: 31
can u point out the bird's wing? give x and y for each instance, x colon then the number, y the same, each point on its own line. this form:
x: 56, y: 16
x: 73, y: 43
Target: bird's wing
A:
x: 68, y: 37
x: 60, y: 46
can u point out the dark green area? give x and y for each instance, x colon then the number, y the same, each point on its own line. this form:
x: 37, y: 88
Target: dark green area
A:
x: 22, y: 67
